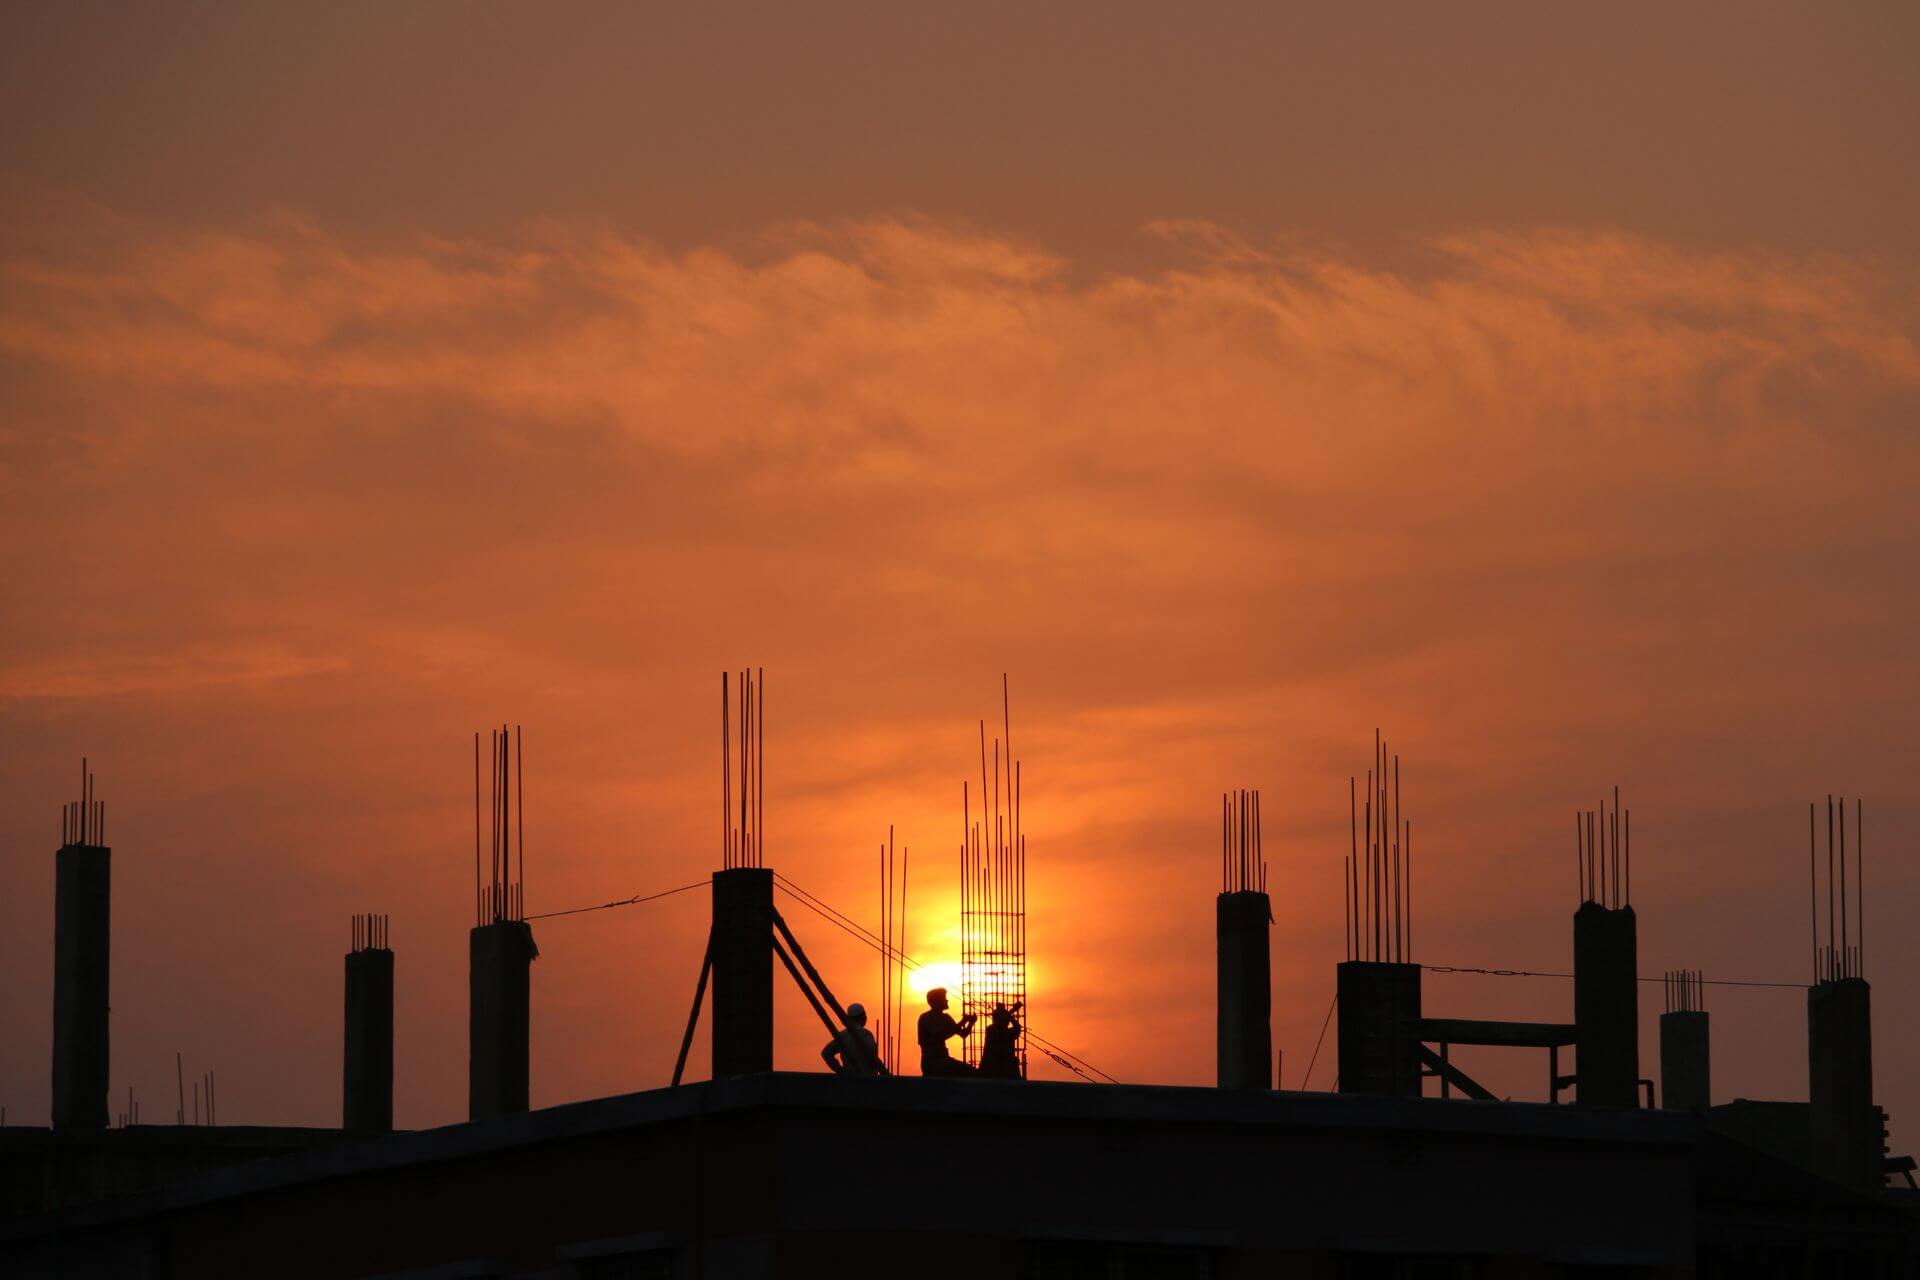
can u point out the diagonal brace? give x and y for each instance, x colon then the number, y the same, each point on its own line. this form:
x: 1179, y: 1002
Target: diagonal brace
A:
x: 826, y: 1019
x: 800, y: 954
x: 1454, y: 1076
x: 693, y: 1017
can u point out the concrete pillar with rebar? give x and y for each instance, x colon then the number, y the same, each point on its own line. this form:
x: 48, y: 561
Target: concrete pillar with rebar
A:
x: 1244, y: 1007
x: 1685, y: 1066
x: 367, y: 1081
x: 742, y: 971
x: 1844, y: 1122
x: 1606, y: 1006
x: 1377, y: 1004
x: 500, y: 957
x: 82, y: 917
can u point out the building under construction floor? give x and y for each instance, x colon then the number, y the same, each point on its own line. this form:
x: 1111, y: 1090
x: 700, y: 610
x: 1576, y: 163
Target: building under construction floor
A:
x: 759, y: 1173
x: 784, y: 1174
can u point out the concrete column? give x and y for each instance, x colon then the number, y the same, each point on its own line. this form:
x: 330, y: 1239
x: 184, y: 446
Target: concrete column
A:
x: 82, y: 900
x: 367, y: 1090
x: 1685, y: 1068
x: 501, y: 960
x: 1845, y: 1125
x: 1606, y: 1006
x: 1244, y: 1008
x: 742, y: 971
x: 1378, y: 1053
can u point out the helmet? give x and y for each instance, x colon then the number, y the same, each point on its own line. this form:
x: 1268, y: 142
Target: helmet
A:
x: 857, y: 1014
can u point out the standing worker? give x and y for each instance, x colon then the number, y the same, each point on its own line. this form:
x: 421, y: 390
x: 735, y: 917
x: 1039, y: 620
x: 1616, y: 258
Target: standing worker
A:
x: 937, y: 1026
x: 854, y: 1051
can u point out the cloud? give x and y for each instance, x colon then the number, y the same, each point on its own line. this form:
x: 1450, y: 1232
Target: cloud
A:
x: 63, y: 679
x: 310, y: 508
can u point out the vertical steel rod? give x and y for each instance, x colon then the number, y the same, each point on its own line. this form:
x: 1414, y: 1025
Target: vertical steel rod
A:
x: 1846, y: 966
x: 1813, y: 892
x: 1830, y: 914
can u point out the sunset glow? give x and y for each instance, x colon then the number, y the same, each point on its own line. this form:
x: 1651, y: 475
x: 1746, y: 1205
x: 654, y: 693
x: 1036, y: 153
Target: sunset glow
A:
x: 1276, y: 381
x: 937, y: 973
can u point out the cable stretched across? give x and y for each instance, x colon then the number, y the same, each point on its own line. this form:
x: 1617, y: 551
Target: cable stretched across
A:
x: 635, y: 900
x: 1532, y: 973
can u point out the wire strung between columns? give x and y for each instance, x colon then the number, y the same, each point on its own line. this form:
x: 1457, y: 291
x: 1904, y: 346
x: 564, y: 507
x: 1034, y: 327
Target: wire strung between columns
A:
x: 1378, y: 880
x: 1842, y: 954
x: 1545, y: 973
x: 635, y: 900
x: 743, y: 798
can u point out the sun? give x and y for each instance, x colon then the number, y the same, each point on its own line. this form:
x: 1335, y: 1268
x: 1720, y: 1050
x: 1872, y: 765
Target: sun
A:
x: 937, y: 973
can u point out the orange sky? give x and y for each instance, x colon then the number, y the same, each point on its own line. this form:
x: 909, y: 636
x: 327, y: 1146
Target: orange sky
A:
x: 1544, y: 393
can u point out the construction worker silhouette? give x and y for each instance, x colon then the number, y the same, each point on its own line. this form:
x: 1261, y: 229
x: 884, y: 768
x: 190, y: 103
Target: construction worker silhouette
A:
x: 937, y: 1026
x: 853, y: 1051
x: 1000, y: 1058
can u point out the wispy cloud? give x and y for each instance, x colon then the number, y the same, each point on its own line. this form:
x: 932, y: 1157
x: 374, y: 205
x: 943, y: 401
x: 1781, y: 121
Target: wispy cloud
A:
x: 1556, y: 504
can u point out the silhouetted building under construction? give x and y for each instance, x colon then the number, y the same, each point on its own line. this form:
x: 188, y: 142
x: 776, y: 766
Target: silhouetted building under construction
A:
x: 1409, y: 1169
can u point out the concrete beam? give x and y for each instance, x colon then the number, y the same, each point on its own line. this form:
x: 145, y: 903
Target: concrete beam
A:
x: 1520, y: 1035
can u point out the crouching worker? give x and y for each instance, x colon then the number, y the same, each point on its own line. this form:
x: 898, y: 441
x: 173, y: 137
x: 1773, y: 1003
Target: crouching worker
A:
x: 854, y: 1051
x: 1000, y: 1058
x: 937, y: 1026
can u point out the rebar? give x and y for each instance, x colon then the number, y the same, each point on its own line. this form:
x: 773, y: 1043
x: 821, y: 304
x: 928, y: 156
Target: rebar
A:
x: 501, y: 895
x: 1377, y: 886
x: 742, y: 816
x: 1242, y: 860
x: 84, y: 821
x: 993, y: 888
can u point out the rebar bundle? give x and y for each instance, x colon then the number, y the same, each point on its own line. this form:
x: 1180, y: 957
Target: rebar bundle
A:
x: 1379, y: 870
x: 1603, y: 853
x: 1686, y: 990
x: 1843, y: 952
x: 893, y: 949
x: 84, y: 821
x: 501, y: 895
x: 370, y: 933
x: 993, y: 891
x: 1243, y: 868
x: 743, y: 798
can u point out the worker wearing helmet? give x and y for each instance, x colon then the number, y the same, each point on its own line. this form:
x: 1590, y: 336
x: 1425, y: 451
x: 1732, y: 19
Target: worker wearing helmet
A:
x: 853, y: 1051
